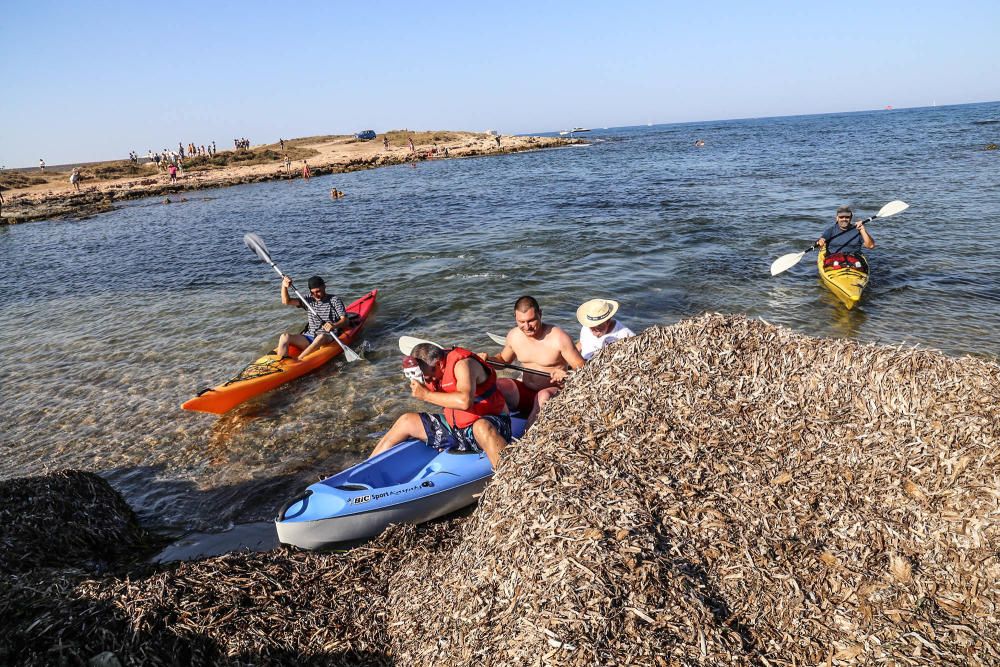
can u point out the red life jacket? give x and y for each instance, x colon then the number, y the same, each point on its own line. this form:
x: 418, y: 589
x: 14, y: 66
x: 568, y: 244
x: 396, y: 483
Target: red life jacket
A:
x: 486, y: 399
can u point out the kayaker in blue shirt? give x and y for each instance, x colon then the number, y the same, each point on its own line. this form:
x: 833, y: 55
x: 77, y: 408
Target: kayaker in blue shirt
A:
x: 848, y: 242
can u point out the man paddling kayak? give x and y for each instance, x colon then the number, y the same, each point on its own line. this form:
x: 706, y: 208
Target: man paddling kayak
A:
x: 846, y: 243
x: 539, y: 346
x: 475, y: 415
x: 322, y: 328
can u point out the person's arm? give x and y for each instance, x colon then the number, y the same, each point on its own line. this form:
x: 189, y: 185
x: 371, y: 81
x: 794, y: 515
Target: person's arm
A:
x: 340, y: 310
x: 465, y: 387
x: 286, y: 282
x: 865, y: 236
x: 570, y: 355
x: 506, y: 355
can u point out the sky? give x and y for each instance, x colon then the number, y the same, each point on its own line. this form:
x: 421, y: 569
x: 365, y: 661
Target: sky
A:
x: 86, y: 81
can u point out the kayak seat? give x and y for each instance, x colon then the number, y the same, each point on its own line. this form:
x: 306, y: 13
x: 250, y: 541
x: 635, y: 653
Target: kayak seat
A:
x: 843, y: 261
x: 353, y: 487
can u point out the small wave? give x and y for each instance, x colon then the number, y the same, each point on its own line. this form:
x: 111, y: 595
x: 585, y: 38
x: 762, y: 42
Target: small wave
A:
x: 992, y: 121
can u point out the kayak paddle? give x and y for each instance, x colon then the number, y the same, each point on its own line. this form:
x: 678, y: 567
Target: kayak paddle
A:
x: 407, y: 343
x: 499, y: 340
x: 786, y: 262
x: 256, y: 244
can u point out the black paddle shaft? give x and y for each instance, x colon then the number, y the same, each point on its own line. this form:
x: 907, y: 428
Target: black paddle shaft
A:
x: 841, y: 233
x: 515, y: 367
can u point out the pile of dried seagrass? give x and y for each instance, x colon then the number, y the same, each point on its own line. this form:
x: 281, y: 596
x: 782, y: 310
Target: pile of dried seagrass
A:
x: 724, y: 491
x: 721, y: 491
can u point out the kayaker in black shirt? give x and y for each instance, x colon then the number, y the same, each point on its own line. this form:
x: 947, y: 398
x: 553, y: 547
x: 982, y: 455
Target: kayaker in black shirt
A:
x: 846, y: 242
x: 322, y: 329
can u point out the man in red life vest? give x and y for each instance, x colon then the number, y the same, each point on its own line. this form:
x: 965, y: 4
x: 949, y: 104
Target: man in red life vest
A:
x: 475, y: 413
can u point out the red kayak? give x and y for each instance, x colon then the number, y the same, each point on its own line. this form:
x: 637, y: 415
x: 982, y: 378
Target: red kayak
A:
x: 269, y: 371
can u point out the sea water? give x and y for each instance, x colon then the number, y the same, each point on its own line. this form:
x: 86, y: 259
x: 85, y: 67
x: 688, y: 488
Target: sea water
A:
x: 108, y: 324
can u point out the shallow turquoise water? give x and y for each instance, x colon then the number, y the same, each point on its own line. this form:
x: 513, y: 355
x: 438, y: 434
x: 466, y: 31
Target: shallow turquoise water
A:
x: 108, y: 324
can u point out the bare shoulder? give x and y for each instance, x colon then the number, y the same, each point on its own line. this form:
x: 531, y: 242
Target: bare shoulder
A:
x: 558, y: 336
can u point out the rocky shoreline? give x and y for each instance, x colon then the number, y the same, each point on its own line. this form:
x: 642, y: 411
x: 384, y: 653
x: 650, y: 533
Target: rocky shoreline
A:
x: 334, y: 155
x: 721, y: 491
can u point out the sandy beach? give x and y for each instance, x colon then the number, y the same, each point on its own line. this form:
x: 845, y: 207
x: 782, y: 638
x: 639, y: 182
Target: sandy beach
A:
x: 38, y: 195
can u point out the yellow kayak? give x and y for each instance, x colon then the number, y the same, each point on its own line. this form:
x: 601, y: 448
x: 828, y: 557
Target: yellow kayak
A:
x: 844, y: 275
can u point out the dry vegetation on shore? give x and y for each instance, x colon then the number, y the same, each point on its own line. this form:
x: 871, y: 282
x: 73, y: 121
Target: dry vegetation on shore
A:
x: 721, y: 491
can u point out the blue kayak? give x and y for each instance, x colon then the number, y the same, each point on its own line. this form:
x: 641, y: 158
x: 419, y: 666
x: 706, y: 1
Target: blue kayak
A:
x: 410, y: 483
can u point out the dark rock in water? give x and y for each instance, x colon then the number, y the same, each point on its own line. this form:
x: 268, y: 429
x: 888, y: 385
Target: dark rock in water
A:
x: 69, y: 518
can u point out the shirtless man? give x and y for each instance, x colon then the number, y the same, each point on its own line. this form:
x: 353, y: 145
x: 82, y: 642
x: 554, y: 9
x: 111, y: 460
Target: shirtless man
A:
x: 540, y: 346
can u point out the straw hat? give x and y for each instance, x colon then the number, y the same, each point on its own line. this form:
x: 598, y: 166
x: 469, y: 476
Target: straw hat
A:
x: 596, y: 311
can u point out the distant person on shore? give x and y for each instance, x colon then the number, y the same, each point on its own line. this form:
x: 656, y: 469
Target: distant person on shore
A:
x: 540, y: 346
x: 74, y: 178
x: 41, y: 164
x: 599, y: 328
x: 409, y: 141
x: 848, y: 243
x: 322, y: 329
x: 305, y: 170
x: 475, y: 416
x: 282, y: 142
x: 385, y: 142
x: 172, y: 170
x: 288, y: 165
x: 498, y: 140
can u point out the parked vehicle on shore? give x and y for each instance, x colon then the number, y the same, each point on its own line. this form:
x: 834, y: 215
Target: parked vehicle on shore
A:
x: 365, y: 135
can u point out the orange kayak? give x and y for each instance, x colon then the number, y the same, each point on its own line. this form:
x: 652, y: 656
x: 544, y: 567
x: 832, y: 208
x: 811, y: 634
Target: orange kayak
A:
x: 269, y: 371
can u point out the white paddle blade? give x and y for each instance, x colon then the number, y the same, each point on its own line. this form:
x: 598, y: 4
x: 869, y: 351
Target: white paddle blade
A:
x: 892, y: 208
x: 407, y: 343
x: 256, y: 244
x: 786, y: 262
x: 349, y: 354
x: 499, y: 340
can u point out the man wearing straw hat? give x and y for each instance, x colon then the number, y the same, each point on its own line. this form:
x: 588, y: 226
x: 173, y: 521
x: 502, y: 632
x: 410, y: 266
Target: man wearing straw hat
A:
x: 599, y: 326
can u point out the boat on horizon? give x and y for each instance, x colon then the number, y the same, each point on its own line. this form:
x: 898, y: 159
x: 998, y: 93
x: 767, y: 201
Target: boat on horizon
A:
x: 574, y: 130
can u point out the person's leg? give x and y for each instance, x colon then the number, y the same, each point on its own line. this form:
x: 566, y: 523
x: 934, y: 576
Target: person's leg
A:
x: 407, y: 426
x: 508, y: 389
x: 319, y: 341
x: 286, y: 339
x: 489, y: 439
x: 540, y: 399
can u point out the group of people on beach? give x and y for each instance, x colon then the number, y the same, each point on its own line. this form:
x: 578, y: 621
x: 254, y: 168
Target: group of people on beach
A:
x: 194, y: 150
x: 243, y: 144
x: 477, y: 403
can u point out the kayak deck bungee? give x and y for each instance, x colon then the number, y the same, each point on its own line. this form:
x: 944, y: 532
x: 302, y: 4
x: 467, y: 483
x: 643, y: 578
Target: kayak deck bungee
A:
x: 847, y: 281
x: 410, y: 483
x: 269, y: 372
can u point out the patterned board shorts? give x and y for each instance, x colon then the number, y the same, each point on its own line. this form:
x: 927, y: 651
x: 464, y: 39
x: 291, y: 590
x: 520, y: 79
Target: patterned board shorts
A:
x: 441, y: 435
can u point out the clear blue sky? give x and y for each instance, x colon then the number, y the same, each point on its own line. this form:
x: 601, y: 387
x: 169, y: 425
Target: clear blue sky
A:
x: 92, y: 80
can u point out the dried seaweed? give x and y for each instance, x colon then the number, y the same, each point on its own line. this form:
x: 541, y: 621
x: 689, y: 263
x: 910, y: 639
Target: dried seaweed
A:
x: 721, y: 491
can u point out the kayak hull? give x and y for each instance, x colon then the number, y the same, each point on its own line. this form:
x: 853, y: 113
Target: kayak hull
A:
x: 847, y: 283
x: 219, y: 400
x: 410, y: 483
